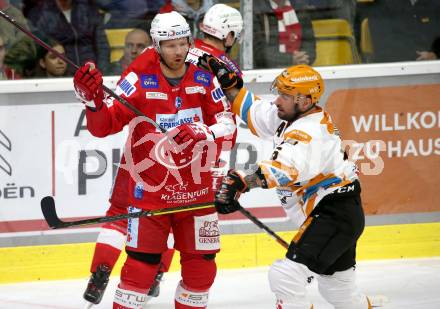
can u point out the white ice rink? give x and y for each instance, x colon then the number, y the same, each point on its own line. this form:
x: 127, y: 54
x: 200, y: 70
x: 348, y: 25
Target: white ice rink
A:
x: 399, y: 284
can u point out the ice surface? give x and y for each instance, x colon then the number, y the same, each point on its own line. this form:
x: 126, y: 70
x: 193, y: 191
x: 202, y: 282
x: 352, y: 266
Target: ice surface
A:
x: 398, y: 284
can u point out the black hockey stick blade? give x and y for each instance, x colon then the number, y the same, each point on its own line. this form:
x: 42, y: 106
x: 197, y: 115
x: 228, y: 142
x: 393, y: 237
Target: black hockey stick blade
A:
x: 54, y: 222
x: 50, y: 213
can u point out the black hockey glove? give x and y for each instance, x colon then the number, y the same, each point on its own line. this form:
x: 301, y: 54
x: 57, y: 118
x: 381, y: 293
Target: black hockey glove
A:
x: 226, y: 198
x: 227, y: 78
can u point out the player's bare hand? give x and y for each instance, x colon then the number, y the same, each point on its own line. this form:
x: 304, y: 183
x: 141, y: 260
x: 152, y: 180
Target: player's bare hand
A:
x: 425, y: 55
x: 301, y: 57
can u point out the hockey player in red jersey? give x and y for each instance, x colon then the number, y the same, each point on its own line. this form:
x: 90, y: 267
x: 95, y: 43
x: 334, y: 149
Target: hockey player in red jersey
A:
x: 111, y: 240
x: 184, y: 100
x: 318, y: 187
x: 222, y: 26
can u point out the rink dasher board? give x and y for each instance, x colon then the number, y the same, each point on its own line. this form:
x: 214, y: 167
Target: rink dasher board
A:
x: 41, y: 116
x: 69, y: 261
x: 43, y: 139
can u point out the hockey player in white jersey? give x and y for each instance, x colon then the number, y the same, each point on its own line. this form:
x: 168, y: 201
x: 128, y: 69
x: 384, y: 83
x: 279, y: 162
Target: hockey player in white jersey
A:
x: 317, y: 186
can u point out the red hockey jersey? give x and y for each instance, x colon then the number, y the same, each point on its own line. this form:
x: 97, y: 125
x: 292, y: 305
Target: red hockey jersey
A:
x: 159, y: 177
x: 201, y: 48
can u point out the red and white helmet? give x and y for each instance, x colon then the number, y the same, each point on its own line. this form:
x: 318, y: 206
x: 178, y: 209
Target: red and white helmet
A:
x: 221, y: 19
x: 169, y: 26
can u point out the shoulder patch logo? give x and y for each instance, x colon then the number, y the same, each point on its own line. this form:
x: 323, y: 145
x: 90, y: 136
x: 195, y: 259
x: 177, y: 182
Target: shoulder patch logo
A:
x: 217, y: 94
x: 126, y: 88
x: 149, y: 81
x: 202, y: 77
x: 127, y: 85
x: 298, y: 135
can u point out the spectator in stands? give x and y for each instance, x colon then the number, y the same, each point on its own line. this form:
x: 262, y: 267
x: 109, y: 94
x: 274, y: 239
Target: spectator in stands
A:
x: 30, y: 60
x: 130, y: 13
x: 407, y: 36
x: 21, y: 57
x: 135, y: 42
x: 331, y: 9
x: 47, y: 64
x: 283, y: 34
x: 3, y: 74
x: 192, y: 10
x: 2, y: 58
x: 77, y: 25
x: 28, y: 5
x: 433, y: 54
x: 9, y: 32
x: 17, y: 3
x: 5, y: 71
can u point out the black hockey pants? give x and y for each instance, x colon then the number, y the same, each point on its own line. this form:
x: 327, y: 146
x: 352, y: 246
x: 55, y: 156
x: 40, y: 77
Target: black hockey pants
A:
x: 326, y: 242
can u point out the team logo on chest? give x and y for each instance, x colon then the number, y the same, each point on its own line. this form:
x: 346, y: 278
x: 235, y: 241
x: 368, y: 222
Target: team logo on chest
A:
x: 178, y: 102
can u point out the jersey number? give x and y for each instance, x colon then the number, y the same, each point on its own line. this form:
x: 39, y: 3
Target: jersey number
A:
x: 276, y: 151
x: 280, y: 129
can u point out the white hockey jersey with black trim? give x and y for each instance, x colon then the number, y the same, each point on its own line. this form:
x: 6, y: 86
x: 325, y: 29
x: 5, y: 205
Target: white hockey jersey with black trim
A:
x: 307, y: 162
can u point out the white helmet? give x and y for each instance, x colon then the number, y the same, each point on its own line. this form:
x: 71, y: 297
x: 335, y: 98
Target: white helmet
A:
x: 221, y: 19
x: 169, y: 26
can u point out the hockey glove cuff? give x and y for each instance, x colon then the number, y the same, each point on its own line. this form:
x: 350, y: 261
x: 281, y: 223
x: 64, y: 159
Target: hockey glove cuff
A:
x: 87, y: 82
x: 232, y: 186
x: 227, y: 78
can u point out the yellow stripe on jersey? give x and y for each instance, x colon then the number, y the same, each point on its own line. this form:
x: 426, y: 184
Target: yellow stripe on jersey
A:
x: 238, y: 101
x: 242, y: 107
x: 278, y: 174
x: 250, y: 124
x: 302, y: 229
x: 315, y: 180
x: 271, y: 183
x: 326, y: 120
x: 343, y: 183
x: 297, y: 135
x: 310, y: 205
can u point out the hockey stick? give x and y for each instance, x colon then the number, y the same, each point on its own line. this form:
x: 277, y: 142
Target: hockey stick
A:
x: 54, y: 222
x: 67, y: 60
x: 263, y: 226
x: 48, y: 204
